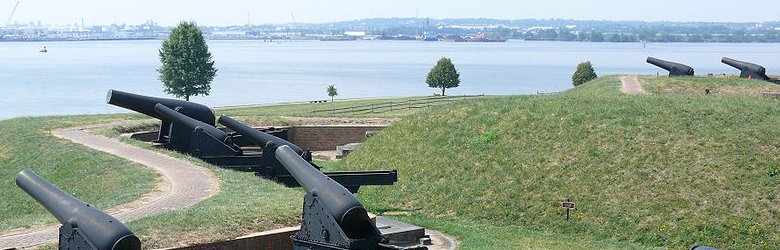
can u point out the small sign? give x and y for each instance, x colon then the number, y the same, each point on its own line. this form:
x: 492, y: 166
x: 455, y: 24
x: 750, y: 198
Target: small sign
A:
x: 568, y: 205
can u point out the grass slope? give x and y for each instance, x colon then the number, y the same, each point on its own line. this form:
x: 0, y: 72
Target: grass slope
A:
x: 657, y: 170
x: 76, y: 169
x: 245, y: 204
x: 718, y: 86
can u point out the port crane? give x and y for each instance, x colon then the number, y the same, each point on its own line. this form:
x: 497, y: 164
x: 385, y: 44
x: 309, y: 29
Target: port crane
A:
x: 11, y: 16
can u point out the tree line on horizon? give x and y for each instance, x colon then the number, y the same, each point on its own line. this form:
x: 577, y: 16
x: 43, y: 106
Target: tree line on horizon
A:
x: 563, y: 29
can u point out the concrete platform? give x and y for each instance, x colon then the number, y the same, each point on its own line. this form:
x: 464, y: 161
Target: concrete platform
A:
x: 407, y: 235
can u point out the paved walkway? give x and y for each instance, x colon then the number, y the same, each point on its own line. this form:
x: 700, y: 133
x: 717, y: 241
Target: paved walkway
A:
x: 631, y: 85
x: 184, y: 185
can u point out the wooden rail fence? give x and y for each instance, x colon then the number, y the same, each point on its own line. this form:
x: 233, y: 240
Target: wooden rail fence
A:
x: 390, y: 106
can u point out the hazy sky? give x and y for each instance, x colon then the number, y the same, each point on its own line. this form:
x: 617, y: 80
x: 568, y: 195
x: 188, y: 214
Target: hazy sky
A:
x: 224, y: 12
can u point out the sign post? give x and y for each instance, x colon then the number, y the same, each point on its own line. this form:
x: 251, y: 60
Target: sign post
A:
x: 568, y: 205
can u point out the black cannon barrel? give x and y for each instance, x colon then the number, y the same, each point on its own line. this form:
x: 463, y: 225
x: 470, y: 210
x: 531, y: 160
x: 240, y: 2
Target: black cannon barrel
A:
x: 145, y: 105
x: 675, y: 69
x: 256, y: 136
x: 341, y: 204
x: 101, y: 229
x: 747, y: 69
x: 190, y: 123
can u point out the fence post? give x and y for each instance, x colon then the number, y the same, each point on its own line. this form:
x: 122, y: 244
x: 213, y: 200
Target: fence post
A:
x: 353, y: 110
x: 372, y: 108
x: 391, y: 106
x: 408, y: 104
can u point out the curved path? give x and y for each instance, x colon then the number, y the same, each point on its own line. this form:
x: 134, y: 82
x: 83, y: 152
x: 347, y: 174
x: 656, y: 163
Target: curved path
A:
x: 631, y: 85
x: 184, y: 185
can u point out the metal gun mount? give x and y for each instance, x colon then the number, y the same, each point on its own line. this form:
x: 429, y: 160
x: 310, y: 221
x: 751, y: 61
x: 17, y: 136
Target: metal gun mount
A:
x: 189, y: 128
x: 746, y: 69
x: 202, y: 140
x: 675, y: 69
x: 145, y: 105
x: 333, y: 218
x: 352, y: 180
x: 83, y: 226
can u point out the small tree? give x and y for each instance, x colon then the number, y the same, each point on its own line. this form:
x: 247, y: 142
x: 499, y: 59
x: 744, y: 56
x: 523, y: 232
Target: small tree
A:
x: 187, y: 69
x: 443, y: 75
x: 583, y: 74
x: 332, y: 92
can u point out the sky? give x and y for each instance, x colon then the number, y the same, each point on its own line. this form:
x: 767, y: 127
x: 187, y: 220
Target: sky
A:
x: 230, y: 12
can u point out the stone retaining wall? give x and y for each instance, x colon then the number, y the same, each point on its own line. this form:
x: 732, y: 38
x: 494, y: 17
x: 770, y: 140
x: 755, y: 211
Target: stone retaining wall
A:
x: 319, y: 138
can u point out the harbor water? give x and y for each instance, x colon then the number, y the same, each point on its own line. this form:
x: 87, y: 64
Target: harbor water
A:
x: 73, y: 77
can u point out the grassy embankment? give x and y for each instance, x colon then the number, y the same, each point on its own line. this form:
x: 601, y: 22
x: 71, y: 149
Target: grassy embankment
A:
x: 473, y: 235
x: 531, y: 152
x: 27, y: 143
x: 672, y: 168
x: 245, y: 203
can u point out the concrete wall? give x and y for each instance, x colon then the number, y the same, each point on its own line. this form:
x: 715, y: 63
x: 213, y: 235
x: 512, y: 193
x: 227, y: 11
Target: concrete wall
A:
x: 318, y: 138
x: 274, y: 239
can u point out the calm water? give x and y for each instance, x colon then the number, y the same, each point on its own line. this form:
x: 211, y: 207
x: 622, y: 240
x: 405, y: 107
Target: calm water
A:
x: 73, y: 77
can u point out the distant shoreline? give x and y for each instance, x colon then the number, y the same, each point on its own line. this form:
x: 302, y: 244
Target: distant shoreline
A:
x: 367, y: 40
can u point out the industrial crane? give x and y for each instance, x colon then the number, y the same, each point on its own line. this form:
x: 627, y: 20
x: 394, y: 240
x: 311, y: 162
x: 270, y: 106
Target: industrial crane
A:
x: 10, y: 17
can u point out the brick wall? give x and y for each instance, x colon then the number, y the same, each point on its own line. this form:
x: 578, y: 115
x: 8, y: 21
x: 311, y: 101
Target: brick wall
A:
x: 274, y: 239
x: 317, y: 138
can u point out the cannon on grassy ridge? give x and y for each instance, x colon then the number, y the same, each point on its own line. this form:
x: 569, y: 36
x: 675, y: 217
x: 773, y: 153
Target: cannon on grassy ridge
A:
x: 270, y: 165
x: 145, y: 105
x: 333, y: 218
x: 83, y: 226
x: 190, y: 128
x: 207, y: 143
x: 746, y: 69
x: 201, y: 139
x: 675, y: 69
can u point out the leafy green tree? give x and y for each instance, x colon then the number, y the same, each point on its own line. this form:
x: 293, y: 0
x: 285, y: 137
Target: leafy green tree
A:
x: 187, y: 69
x: 596, y: 36
x: 443, y: 75
x: 332, y: 92
x: 583, y: 74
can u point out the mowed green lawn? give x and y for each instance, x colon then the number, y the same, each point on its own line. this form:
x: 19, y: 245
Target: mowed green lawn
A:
x: 99, y: 179
x: 666, y: 169
x: 669, y: 169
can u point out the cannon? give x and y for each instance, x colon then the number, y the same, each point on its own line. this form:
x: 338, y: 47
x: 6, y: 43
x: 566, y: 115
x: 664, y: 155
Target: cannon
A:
x: 675, y: 69
x: 270, y: 165
x: 333, y: 218
x: 201, y: 139
x: 189, y: 128
x: 145, y: 105
x: 256, y: 136
x: 207, y: 143
x: 83, y: 226
x: 747, y: 70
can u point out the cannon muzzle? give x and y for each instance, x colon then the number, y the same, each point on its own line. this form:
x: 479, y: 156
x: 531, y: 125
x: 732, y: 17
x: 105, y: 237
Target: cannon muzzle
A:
x: 81, y: 222
x: 256, y: 136
x: 747, y: 69
x: 145, y: 105
x: 675, y: 69
x: 336, y: 201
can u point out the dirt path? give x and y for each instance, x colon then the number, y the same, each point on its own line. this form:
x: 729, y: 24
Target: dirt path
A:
x: 631, y: 85
x: 183, y: 184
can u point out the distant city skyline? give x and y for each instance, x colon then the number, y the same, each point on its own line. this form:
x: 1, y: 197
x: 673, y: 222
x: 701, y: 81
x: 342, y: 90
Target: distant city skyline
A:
x: 212, y: 13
